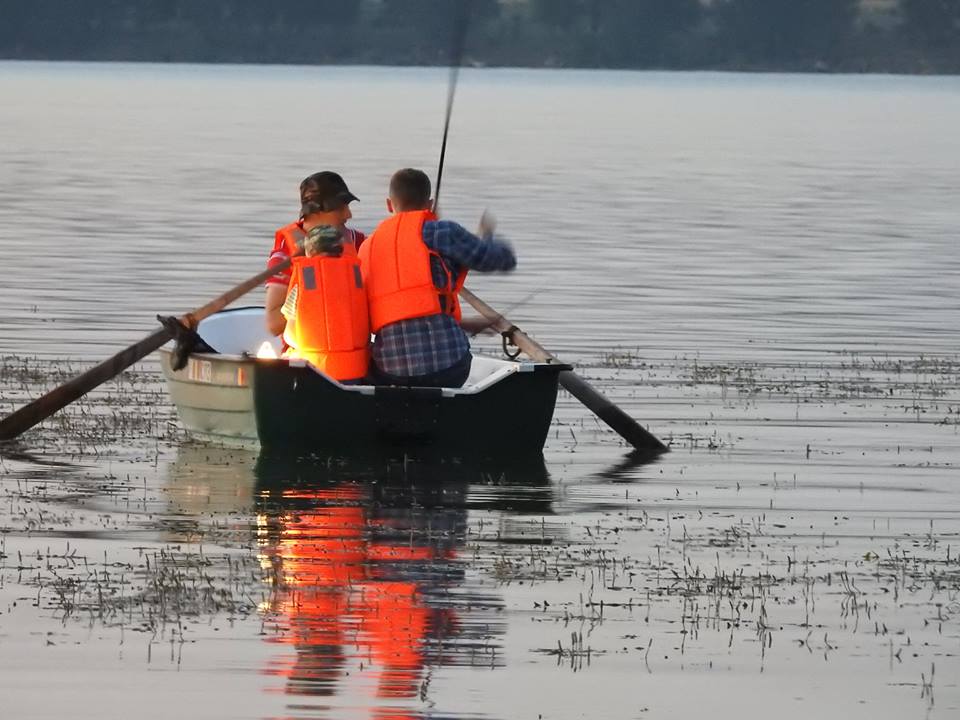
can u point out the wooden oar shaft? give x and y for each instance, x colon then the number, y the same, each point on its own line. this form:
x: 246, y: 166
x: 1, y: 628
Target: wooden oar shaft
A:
x: 601, y: 406
x: 43, y: 407
x: 219, y: 303
x: 624, y: 425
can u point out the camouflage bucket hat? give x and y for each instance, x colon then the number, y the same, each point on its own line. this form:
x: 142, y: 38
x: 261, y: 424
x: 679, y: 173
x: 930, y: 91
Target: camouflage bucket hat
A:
x: 323, y: 192
x: 324, y: 240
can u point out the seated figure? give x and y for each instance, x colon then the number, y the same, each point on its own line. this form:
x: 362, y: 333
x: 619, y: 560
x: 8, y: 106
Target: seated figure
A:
x: 324, y: 200
x: 414, y: 265
x: 326, y: 307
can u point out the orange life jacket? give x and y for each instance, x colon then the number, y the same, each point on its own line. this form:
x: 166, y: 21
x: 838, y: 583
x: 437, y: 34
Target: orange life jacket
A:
x: 331, y: 329
x: 396, y: 271
x: 289, y: 239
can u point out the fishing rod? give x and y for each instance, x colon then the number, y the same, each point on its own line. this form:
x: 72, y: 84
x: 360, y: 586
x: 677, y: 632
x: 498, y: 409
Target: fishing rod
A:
x: 488, y: 324
x: 462, y: 24
x: 629, y: 429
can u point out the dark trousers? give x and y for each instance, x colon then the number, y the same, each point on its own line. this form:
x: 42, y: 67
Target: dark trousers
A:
x: 452, y: 377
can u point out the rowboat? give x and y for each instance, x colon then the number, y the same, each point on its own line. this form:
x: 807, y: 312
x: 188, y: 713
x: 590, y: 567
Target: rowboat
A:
x: 235, y: 397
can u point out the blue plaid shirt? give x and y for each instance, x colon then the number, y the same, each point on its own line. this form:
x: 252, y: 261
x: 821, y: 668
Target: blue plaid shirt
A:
x: 425, y: 345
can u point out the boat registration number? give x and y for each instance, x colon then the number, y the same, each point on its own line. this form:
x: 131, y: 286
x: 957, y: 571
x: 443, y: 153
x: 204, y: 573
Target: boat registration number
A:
x: 200, y: 371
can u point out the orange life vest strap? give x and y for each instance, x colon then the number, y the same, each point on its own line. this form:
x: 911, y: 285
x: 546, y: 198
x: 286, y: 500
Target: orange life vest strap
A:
x: 290, y: 239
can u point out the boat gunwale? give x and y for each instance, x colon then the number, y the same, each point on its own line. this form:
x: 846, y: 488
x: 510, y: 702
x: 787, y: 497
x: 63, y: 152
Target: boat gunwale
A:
x: 510, y: 367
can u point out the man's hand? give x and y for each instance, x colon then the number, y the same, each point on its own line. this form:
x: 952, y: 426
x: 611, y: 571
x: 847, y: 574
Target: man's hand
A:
x: 488, y: 224
x: 476, y: 325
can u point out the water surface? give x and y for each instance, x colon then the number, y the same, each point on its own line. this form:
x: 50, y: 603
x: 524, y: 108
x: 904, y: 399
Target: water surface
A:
x: 724, y: 214
x: 761, y: 268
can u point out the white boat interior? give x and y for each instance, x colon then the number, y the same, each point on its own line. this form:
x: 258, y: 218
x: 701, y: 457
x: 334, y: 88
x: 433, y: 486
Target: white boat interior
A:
x: 242, y: 333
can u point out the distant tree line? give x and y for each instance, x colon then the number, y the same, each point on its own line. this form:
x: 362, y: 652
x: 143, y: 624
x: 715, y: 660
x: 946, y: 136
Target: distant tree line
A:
x: 826, y: 35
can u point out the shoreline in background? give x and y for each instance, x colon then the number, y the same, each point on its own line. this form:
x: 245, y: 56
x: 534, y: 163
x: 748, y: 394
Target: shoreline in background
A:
x: 909, y: 37
x: 719, y: 70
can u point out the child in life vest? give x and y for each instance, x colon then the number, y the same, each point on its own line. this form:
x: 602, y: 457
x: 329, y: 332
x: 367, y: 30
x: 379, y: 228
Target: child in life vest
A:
x: 326, y: 307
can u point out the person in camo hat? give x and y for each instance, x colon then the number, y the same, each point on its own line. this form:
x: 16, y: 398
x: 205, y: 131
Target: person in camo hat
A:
x: 324, y: 200
x: 327, y: 322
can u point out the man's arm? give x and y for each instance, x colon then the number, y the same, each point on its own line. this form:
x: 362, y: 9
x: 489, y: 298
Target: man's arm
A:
x: 475, y: 324
x: 455, y: 242
x: 276, y: 292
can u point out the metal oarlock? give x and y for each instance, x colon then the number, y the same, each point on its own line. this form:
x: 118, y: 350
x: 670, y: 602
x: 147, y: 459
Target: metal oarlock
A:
x: 506, y: 338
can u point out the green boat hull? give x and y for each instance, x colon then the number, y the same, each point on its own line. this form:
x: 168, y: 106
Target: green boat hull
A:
x: 237, y: 400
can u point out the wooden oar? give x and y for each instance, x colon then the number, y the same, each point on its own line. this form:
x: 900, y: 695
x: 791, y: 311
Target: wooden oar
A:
x: 624, y: 425
x: 43, y: 407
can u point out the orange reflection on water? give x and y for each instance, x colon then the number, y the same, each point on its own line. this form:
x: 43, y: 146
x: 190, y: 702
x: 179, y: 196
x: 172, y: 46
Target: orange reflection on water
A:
x: 347, y: 599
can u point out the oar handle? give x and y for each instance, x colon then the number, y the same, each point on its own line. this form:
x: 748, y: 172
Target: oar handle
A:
x: 624, y: 425
x: 499, y: 323
x: 43, y: 407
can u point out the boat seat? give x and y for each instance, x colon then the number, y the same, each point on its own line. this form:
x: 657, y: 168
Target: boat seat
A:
x: 239, y: 331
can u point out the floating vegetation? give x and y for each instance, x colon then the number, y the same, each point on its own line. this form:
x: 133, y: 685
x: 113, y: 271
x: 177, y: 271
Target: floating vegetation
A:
x: 133, y: 407
x: 160, y: 588
x: 805, y: 518
x: 749, y: 582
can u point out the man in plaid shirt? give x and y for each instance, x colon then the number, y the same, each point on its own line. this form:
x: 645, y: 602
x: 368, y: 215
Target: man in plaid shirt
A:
x: 431, y: 350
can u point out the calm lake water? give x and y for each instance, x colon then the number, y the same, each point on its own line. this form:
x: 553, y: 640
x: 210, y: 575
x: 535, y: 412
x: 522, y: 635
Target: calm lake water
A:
x: 760, y: 267
x: 729, y: 215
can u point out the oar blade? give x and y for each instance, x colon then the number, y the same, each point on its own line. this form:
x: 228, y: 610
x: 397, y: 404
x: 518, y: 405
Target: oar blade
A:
x: 601, y: 406
x: 624, y: 425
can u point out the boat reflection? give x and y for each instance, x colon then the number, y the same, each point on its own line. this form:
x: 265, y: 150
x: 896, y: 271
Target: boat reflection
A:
x: 371, y: 586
